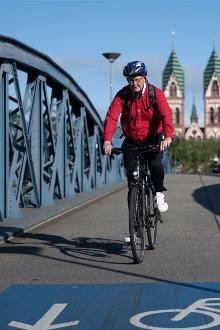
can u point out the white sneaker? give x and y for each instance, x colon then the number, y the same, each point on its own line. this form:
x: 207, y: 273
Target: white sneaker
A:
x: 161, y: 202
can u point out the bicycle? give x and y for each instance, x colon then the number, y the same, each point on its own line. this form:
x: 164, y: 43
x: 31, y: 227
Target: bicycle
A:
x: 143, y: 212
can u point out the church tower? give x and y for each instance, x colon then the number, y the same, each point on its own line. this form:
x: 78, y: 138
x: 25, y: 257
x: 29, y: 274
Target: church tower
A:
x: 194, y: 132
x: 211, y: 86
x: 173, y: 87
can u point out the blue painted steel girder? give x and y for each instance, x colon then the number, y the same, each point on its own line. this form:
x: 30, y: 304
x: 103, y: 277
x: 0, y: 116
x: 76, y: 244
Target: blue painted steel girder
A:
x: 29, y: 59
x: 52, y: 145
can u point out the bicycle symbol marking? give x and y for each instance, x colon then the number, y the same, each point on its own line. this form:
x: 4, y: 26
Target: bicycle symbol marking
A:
x: 206, y: 307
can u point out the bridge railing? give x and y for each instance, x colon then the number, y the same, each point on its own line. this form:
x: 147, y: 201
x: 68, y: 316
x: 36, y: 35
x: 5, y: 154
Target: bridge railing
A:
x: 50, y: 144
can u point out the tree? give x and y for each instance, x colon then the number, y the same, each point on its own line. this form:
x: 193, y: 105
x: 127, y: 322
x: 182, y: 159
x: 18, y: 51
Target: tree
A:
x: 194, y: 156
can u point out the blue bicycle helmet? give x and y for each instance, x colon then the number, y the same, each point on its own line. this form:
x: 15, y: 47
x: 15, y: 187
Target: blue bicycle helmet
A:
x: 135, y: 68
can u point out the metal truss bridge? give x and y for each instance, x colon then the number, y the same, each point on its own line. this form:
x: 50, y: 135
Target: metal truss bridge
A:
x: 50, y: 145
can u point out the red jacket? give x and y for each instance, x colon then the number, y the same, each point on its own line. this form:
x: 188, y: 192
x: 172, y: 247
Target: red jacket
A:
x: 140, y: 120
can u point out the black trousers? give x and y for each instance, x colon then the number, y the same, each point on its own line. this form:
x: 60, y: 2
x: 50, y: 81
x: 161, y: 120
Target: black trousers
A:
x: 154, y: 161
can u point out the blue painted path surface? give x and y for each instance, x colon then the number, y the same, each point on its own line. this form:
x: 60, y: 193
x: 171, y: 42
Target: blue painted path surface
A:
x: 191, y: 306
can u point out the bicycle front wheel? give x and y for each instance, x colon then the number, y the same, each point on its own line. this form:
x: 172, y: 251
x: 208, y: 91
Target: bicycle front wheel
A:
x: 136, y: 227
x: 152, y: 220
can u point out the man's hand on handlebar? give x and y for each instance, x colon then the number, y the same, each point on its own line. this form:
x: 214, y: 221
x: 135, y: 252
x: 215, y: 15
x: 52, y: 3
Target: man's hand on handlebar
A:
x: 107, y: 146
x: 165, y: 144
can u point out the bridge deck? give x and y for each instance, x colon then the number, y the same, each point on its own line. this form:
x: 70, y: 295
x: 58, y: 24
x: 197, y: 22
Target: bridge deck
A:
x: 191, y: 198
x: 188, y: 237
x: 80, y: 269
x: 31, y: 218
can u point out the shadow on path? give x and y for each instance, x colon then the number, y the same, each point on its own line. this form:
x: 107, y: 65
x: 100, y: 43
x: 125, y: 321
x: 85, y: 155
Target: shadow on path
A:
x: 84, y: 248
x: 97, y: 248
x: 208, y: 197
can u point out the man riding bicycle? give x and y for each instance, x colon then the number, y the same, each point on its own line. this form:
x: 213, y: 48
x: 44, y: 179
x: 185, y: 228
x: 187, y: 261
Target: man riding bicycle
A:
x: 143, y: 123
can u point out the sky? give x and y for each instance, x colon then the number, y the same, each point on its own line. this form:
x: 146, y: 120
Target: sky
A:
x: 75, y: 34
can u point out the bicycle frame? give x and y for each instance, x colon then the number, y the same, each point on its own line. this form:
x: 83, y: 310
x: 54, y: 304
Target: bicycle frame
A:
x: 142, y: 180
x: 139, y: 180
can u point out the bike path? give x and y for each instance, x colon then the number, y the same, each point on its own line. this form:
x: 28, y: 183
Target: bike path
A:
x: 190, y: 306
x: 31, y: 218
x: 188, y: 252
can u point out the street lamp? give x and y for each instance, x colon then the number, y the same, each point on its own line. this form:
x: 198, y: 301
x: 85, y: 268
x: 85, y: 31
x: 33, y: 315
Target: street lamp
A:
x: 111, y: 57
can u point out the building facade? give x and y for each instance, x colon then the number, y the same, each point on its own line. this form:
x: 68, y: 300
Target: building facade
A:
x: 173, y: 86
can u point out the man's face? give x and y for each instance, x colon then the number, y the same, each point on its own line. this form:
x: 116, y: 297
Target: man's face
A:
x: 136, y: 83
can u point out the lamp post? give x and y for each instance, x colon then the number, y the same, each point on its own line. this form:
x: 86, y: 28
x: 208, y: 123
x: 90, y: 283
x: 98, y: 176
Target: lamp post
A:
x: 111, y: 57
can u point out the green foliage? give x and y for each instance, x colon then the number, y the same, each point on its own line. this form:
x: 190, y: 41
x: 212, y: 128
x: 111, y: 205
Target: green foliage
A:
x: 194, y: 156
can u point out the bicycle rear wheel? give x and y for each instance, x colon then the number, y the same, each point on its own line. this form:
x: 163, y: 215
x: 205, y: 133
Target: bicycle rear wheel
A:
x: 152, y: 220
x: 136, y: 227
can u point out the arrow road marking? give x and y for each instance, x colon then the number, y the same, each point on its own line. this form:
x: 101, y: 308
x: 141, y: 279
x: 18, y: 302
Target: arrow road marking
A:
x: 45, y: 322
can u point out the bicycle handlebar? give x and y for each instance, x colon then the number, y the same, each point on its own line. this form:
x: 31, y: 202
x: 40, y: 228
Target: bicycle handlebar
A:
x: 144, y: 149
